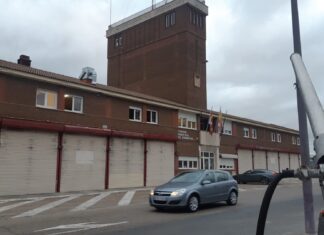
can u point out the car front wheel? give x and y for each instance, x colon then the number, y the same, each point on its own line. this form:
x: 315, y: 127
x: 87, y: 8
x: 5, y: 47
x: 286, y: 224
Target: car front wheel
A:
x: 232, y: 198
x: 193, y: 203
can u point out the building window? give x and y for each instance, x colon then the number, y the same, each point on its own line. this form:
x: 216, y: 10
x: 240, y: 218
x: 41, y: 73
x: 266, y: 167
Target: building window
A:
x: 152, y: 116
x: 273, y: 137
x: 187, y: 121
x: 278, y: 138
x: 118, y: 40
x: 206, y: 160
x: 227, y: 128
x: 170, y: 19
x: 246, y: 132
x: 298, y: 141
x: 73, y: 103
x: 188, y: 163
x: 46, y: 99
x: 293, y: 140
x: 254, y: 134
x: 196, y: 18
x: 135, y: 114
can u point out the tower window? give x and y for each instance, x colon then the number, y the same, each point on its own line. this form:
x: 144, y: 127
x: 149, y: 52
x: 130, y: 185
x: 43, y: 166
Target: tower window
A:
x: 170, y: 19
x: 196, y: 18
x: 118, y: 40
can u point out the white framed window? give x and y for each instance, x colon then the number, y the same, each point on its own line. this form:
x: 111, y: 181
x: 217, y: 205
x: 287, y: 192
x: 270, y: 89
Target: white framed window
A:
x: 188, y: 163
x: 46, y: 99
x: 206, y: 160
x: 170, y: 19
x: 298, y: 141
x: 273, y: 137
x: 293, y: 140
x: 254, y: 133
x: 152, y: 116
x: 227, y: 128
x: 118, y: 40
x: 278, y: 138
x: 135, y: 114
x: 246, y: 132
x: 73, y: 103
x: 187, y: 121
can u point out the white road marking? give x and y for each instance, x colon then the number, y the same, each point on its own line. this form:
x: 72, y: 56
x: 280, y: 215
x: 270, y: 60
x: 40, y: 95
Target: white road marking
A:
x: 47, y: 206
x: 9, y: 207
x: 242, y: 189
x: 78, y: 227
x: 91, y: 202
x: 127, y: 198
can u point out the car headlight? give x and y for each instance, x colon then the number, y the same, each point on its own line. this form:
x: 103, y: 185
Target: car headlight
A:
x: 178, y: 192
x: 152, y: 192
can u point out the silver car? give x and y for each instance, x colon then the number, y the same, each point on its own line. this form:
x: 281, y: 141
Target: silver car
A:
x: 194, y: 188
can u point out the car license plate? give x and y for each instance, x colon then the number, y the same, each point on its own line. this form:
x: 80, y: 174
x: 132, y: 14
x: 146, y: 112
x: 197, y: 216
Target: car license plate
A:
x: 160, y: 198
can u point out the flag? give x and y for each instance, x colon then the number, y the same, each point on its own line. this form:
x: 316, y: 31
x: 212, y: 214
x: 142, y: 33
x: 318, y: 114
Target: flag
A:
x: 210, y: 123
x: 220, y: 122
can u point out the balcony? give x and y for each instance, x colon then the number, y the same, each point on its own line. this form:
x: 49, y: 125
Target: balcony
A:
x: 209, y: 139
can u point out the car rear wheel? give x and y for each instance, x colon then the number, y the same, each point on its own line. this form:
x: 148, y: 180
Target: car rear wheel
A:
x: 193, y: 203
x: 232, y: 198
x: 264, y: 181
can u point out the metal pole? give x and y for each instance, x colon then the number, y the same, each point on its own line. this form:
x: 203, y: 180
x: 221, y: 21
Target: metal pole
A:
x: 304, y: 144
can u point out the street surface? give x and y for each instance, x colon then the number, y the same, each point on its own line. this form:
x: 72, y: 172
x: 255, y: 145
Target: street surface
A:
x: 126, y: 212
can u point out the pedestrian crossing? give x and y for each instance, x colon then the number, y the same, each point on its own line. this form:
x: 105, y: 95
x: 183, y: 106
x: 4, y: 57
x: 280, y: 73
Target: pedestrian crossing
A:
x: 25, y: 207
x: 21, y: 207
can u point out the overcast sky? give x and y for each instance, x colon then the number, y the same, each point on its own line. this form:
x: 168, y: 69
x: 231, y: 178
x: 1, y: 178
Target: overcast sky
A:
x: 249, y: 43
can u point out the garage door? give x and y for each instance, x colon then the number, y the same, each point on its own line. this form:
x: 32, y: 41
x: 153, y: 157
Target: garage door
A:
x: 244, y: 160
x: 260, y: 161
x: 294, y: 161
x: 284, y: 161
x: 83, y: 163
x: 27, y: 162
x: 160, y: 162
x: 273, y: 161
x: 126, y: 165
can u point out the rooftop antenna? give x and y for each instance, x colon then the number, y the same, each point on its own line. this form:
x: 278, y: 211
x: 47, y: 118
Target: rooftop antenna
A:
x: 110, y: 6
x: 153, y: 4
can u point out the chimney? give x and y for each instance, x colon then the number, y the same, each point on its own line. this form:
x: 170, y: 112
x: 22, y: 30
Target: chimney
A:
x: 24, y: 60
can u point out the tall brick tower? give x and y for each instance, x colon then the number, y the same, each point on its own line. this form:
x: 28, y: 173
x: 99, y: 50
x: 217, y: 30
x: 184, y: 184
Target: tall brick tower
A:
x: 161, y: 51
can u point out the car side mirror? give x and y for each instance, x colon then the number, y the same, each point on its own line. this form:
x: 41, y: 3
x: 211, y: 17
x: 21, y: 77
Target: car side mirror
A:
x: 206, y: 182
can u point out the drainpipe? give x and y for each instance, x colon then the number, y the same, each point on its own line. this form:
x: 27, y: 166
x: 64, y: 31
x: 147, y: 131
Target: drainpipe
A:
x: 59, y: 162
x: 145, y: 161
x: 107, y: 162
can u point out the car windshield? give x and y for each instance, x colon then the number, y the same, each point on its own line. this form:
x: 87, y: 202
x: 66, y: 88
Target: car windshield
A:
x: 188, y: 177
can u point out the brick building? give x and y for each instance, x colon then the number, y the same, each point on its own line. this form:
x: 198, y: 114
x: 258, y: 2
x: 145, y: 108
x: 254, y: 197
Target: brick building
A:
x: 59, y: 133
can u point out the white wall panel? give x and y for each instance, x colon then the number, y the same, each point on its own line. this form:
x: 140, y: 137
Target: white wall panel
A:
x: 284, y: 161
x: 294, y: 161
x: 126, y: 163
x: 27, y: 162
x: 83, y: 163
x: 244, y: 160
x: 273, y: 161
x: 160, y: 162
x: 260, y: 161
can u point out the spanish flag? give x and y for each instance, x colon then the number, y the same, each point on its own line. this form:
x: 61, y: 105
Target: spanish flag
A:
x: 220, y: 122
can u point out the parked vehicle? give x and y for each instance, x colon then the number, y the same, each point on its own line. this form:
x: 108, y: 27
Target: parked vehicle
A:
x: 192, y: 189
x: 258, y: 175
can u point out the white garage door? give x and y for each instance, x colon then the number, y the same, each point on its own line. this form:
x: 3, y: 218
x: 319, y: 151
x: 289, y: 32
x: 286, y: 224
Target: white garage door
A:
x: 126, y: 163
x: 160, y: 162
x: 260, y: 161
x: 83, y: 163
x: 244, y: 160
x: 284, y: 161
x: 273, y: 161
x: 27, y: 162
x: 294, y: 161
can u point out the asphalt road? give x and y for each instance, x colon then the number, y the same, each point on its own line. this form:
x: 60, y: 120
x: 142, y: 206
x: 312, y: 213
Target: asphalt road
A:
x: 128, y: 212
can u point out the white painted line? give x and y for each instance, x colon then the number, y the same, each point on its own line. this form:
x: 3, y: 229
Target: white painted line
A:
x: 9, y: 207
x: 46, y: 207
x: 242, y: 190
x: 78, y: 227
x: 91, y: 202
x: 127, y: 198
